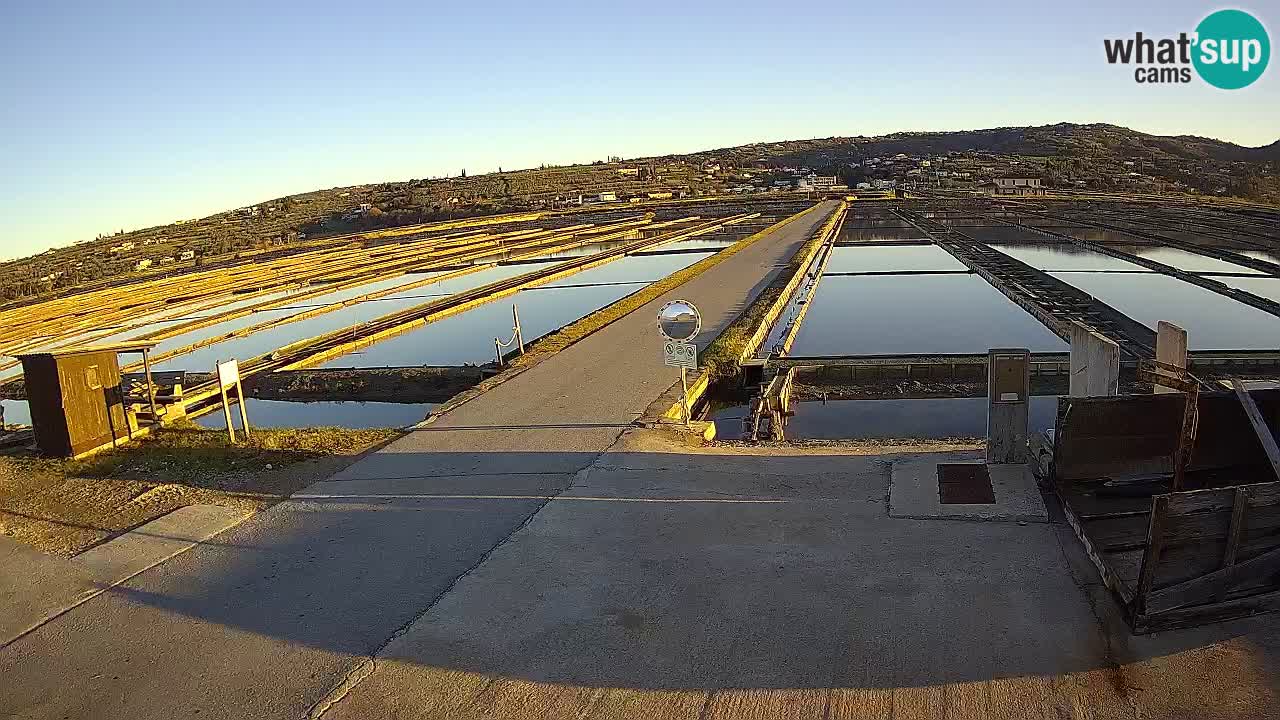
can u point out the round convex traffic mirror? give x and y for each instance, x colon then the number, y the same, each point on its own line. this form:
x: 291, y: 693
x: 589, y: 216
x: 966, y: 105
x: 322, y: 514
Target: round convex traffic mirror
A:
x: 679, y: 320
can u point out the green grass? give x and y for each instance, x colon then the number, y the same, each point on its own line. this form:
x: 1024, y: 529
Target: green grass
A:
x: 187, y: 450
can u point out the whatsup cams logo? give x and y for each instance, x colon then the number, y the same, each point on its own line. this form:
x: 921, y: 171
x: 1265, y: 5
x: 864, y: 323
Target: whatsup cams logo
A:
x: 1229, y: 49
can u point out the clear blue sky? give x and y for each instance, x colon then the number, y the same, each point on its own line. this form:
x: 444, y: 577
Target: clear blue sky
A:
x: 125, y: 114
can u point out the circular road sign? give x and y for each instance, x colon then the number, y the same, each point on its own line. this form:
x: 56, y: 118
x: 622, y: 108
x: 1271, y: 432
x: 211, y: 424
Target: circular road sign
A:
x: 679, y: 320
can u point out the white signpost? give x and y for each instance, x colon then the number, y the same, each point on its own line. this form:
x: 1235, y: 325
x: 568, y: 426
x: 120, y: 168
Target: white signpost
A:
x: 229, y: 377
x: 679, y: 322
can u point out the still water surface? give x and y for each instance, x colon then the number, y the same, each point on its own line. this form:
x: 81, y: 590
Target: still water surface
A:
x: 890, y: 314
x: 287, y: 414
x: 891, y: 258
x: 468, y: 337
x: 932, y: 418
x: 1212, y: 321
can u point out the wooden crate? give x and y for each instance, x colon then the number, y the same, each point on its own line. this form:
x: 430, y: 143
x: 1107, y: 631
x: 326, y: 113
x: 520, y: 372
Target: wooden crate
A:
x: 1173, y: 559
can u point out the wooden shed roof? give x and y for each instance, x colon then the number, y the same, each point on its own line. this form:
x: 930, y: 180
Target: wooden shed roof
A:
x: 137, y: 346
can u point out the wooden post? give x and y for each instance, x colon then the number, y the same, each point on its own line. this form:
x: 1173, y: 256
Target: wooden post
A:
x: 515, y: 320
x: 1171, y: 349
x: 151, y: 389
x: 244, y: 415
x: 1260, y: 427
x: 1153, y: 550
x: 1235, y: 531
x: 226, y: 413
x: 1095, y: 364
x: 1186, y: 436
x: 684, y: 394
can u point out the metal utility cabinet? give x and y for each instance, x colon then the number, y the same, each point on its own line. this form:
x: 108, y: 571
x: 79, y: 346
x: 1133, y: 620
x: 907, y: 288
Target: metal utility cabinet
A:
x: 76, y: 399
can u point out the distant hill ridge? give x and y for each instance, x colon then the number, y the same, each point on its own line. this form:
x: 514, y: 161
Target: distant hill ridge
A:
x: 1062, y: 139
x: 1097, y: 156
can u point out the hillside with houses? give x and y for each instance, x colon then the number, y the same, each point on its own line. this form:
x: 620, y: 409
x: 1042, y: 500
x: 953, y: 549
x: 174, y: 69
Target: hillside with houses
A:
x: 1063, y: 156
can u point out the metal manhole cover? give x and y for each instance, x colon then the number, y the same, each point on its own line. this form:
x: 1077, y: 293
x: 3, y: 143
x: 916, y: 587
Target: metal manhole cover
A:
x: 965, y: 484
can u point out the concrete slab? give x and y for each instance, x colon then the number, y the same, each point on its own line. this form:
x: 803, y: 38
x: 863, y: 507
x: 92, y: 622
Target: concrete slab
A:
x: 913, y: 492
x: 262, y: 621
x: 651, y: 609
x: 154, y: 542
x: 821, y: 606
x: 35, y: 587
x: 444, y: 451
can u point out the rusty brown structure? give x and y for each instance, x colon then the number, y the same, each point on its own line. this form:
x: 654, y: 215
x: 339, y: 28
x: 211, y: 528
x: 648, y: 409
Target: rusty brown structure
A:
x: 78, y: 403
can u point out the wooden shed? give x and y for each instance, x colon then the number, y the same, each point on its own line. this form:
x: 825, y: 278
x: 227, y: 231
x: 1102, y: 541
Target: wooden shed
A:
x: 76, y: 398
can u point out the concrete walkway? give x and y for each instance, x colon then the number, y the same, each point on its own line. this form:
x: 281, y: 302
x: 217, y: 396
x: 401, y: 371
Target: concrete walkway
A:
x: 677, y: 583
x: 266, y: 619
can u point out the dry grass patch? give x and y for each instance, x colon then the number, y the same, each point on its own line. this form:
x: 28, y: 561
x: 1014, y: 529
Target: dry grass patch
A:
x: 64, y: 506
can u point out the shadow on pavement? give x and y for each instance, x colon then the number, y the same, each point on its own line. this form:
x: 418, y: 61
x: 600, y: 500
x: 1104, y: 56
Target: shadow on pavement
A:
x: 660, y: 571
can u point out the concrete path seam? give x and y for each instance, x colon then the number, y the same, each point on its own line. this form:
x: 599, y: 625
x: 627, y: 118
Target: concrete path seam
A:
x: 433, y: 476
x: 368, y: 665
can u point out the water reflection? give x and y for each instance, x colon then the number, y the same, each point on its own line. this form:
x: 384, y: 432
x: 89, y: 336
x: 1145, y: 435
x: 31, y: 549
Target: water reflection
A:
x: 918, y: 314
x: 468, y: 337
x: 891, y: 258
x: 16, y: 412
x: 853, y: 233
x: 1063, y: 256
x: 924, y: 419
x: 265, y: 341
x: 1212, y: 321
x: 1269, y: 256
x: 355, y: 415
x: 1018, y: 236
x: 1263, y: 286
x: 1185, y: 260
x: 710, y: 243
x: 577, y: 252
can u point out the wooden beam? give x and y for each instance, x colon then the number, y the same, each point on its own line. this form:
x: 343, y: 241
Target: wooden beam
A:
x: 151, y: 388
x: 1204, y: 614
x: 1235, y: 531
x: 1260, y: 427
x: 1155, y: 547
x: 1113, y: 581
x: 1206, y: 587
